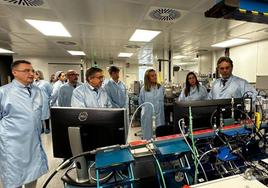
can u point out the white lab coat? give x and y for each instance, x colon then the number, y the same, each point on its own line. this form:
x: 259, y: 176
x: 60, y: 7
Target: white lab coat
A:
x: 22, y: 158
x: 194, y: 94
x: 46, y: 90
x: 117, y: 93
x: 65, y: 94
x: 156, y: 97
x: 85, y: 96
x: 235, y: 87
x: 55, y: 93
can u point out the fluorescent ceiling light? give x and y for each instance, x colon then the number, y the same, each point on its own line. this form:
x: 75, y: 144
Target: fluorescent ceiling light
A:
x: 141, y: 35
x: 179, y: 56
x: 76, y: 52
x: 4, y: 51
x: 230, y: 43
x: 49, y: 28
x: 123, y: 54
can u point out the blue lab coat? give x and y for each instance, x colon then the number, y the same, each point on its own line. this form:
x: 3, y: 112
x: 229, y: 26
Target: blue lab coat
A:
x: 194, y: 95
x: 156, y: 97
x: 235, y: 87
x: 117, y: 93
x: 46, y: 90
x: 65, y: 94
x: 85, y: 96
x: 22, y: 158
x: 55, y: 93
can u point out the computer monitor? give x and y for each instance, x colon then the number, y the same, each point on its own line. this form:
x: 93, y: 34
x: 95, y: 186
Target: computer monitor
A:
x: 100, y: 127
x: 202, y: 111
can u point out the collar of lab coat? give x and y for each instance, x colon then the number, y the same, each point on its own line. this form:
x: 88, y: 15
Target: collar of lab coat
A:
x: 193, y: 87
x: 115, y: 81
x: 90, y: 87
x: 227, y: 78
x: 71, y: 85
x: 19, y: 84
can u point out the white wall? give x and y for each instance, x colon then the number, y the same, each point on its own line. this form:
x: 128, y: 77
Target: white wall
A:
x: 131, y: 74
x: 215, y: 56
x: 249, y: 60
x: 180, y: 76
x: 262, y: 65
x: 205, y: 63
x: 191, y: 67
x: 245, y: 60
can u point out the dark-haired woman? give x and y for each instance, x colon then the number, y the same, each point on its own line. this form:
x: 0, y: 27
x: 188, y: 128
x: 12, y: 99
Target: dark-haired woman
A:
x: 60, y: 77
x: 193, y: 90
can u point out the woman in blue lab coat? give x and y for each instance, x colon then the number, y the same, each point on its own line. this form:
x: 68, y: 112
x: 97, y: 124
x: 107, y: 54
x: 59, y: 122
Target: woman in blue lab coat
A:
x: 46, y: 90
x: 151, y: 92
x: 60, y: 77
x: 193, y: 90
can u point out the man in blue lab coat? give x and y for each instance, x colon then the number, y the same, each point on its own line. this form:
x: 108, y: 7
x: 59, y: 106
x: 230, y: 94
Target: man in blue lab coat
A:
x: 91, y: 94
x: 22, y: 158
x: 116, y: 89
x: 66, y: 90
x: 229, y: 86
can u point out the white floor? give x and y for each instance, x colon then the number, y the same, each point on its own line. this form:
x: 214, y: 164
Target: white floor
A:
x: 54, y: 162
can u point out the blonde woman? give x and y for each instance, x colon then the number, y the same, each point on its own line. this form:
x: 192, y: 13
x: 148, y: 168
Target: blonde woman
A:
x: 151, y: 92
x: 46, y: 91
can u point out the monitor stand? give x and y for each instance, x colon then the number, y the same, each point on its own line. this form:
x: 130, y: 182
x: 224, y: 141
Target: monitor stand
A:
x: 76, y: 148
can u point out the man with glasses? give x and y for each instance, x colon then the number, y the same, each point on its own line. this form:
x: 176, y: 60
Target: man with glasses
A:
x: 22, y: 158
x: 66, y: 90
x: 229, y: 86
x: 91, y: 94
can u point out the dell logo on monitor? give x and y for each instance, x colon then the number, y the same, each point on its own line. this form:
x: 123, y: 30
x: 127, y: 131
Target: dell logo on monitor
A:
x: 82, y: 116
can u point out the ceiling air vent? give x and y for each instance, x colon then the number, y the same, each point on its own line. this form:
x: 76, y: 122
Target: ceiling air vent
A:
x: 164, y: 14
x: 66, y: 43
x: 26, y: 3
x: 201, y: 51
x: 132, y: 46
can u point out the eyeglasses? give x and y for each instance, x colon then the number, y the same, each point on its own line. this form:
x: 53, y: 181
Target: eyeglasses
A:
x: 26, y: 70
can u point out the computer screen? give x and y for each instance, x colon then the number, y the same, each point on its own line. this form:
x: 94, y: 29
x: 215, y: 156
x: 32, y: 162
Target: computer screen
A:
x: 100, y: 127
x: 202, y: 111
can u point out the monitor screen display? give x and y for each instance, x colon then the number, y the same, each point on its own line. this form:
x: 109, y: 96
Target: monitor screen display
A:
x: 99, y: 128
x: 202, y: 111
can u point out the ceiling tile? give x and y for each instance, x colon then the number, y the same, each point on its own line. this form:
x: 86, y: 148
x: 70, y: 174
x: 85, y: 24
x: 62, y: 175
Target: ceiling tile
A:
x: 203, y: 5
x: 181, y: 4
x: 79, y: 11
x: 5, y: 11
x: 33, y: 13
x: 15, y: 25
x: 102, y: 28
